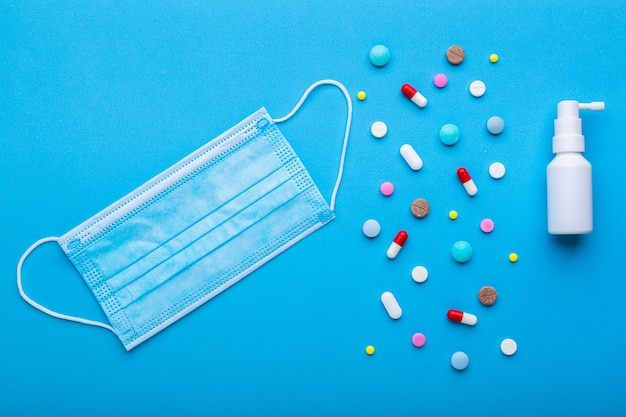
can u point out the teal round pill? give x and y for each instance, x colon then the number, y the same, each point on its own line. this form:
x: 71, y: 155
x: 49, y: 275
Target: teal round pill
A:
x: 459, y: 360
x: 449, y: 134
x: 379, y: 55
x: 461, y: 251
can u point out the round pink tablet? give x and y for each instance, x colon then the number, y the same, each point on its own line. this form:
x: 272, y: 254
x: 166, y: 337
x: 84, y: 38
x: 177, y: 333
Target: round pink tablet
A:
x: 487, y: 225
x: 386, y: 188
x: 418, y: 340
x: 441, y: 80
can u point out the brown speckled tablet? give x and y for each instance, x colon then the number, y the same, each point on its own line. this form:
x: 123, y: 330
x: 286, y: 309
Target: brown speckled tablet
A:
x: 420, y: 208
x: 487, y: 295
x: 455, y: 55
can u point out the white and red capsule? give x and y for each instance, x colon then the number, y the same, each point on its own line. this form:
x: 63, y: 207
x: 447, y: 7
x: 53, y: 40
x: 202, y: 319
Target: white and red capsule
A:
x: 397, y: 244
x: 412, y: 94
x: 467, y: 181
x: 462, y: 317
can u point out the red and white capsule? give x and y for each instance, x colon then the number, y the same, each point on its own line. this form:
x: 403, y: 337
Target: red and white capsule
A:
x: 462, y: 317
x: 412, y: 94
x: 467, y: 181
x: 397, y: 244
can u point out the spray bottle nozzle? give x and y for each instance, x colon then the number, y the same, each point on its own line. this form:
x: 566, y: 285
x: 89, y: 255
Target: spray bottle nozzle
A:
x: 594, y: 105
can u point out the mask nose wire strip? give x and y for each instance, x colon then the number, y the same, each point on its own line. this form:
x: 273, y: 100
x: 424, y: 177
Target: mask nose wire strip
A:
x: 39, y: 306
x: 345, y: 137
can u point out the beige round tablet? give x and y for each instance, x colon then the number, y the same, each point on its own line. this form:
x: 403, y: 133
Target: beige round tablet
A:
x: 487, y: 295
x: 455, y: 55
x: 420, y: 208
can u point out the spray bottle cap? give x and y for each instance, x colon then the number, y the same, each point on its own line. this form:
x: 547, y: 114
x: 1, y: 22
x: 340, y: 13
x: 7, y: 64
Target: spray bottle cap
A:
x: 568, y: 135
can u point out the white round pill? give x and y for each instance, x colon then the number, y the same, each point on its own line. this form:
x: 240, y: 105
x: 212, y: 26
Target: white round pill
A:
x: 508, y: 347
x: 477, y: 88
x: 371, y: 228
x: 497, y: 170
x: 379, y: 130
x: 419, y: 274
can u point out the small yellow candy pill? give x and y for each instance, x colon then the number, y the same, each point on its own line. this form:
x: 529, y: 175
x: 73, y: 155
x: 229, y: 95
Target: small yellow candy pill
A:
x: 453, y: 214
x: 493, y: 58
x: 370, y: 350
x: 513, y: 257
x: 361, y: 95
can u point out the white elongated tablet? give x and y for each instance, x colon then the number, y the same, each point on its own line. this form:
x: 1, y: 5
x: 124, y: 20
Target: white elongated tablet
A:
x: 411, y: 157
x: 391, y: 305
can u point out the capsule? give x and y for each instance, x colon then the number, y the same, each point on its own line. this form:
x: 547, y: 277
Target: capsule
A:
x: 411, y: 157
x: 467, y: 181
x: 412, y: 94
x: 397, y: 244
x: 462, y: 317
x: 391, y: 305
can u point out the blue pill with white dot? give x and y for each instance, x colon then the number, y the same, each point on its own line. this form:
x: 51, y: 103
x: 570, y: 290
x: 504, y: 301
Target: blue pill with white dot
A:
x: 379, y: 55
x: 449, y: 134
x: 459, y: 360
x: 461, y: 251
x: 495, y: 125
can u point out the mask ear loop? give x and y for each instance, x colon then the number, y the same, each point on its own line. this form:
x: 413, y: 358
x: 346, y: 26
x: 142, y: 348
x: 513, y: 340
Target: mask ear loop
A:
x: 39, y: 306
x: 345, y: 137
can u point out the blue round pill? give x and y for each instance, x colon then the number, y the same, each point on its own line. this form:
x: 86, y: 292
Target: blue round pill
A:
x: 459, y: 360
x: 495, y: 125
x: 449, y: 134
x: 461, y: 251
x: 371, y: 228
x: 379, y: 55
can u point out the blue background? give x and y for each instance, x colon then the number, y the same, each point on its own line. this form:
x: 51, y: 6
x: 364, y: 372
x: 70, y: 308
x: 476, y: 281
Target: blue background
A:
x: 97, y: 97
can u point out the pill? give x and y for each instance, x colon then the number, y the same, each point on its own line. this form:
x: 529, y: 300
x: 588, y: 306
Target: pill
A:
x: 440, y: 80
x: 361, y: 95
x: 497, y: 170
x: 453, y: 214
x: 412, y: 94
x: 459, y: 361
x: 411, y: 157
x: 379, y: 55
x: 397, y: 244
x: 419, y: 274
x: 508, y: 347
x: 378, y: 129
x: 487, y: 225
x: 493, y: 58
x: 461, y: 251
x: 467, y: 181
x: 370, y: 350
x: 462, y: 317
x: 487, y: 295
x: 420, y: 208
x: 449, y: 134
x: 495, y: 125
x: 455, y: 55
x: 513, y: 257
x: 418, y: 340
x: 387, y: 188
x: 371, y: 228
x: 477, y: 88
x: 391, y: 305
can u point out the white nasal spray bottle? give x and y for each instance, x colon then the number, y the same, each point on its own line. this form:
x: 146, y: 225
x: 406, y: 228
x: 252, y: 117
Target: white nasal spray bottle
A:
x: 570, y: 207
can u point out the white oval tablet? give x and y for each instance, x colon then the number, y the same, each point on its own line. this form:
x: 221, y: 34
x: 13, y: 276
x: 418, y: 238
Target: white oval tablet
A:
x: 477, y: 88
x: 411, y: 157
x: 508, y: 347
x: 379, y: 130
x: 391, y: 305
x: 497, y: 170
x: 419, y: 274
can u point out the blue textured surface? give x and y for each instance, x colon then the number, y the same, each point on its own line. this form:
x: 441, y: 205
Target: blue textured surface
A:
x: 98, y: 97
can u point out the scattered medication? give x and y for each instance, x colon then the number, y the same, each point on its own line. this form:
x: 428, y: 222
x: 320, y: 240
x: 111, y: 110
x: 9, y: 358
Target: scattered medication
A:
x: 453, y: 215
x: 487, y: 295
x: 493, y: 58
x: 411, y: 157
x: 487, y: 225
x: 477, y: 88
x: 461, y: 251
x: 462, y: 317
x: 449, y: 134
x: 508, y: 347
x: 418, y: 340
x: 397, y: 244
x: 467, y: 181
x: 371, y: 228
x: 391, y: 305
x: 495, y: 125
x: 412, y: 94
x: 513, y: 257
x: 440, y: 80
x: 419, y: 274
x: 455, y: 55
x: 370, y: 350
x: 379, y: 55
x: 387, y: 188
x: 361, y: 95
x: 459, y: 361
x: 420, y: 208
x: 497, y: 170
x: 379, y: 129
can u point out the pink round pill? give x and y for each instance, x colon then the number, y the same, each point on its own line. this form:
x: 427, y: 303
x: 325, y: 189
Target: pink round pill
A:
x: 441, y: 80
x: 487, y: 225
x: 418, y: 340
x: 386, y: 188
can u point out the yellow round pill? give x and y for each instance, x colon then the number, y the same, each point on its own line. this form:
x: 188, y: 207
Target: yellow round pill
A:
x: 370, y: 350
x: 493, y: 58
x: 361, y: 95
x: 513, y: 257
x: 453, y: 214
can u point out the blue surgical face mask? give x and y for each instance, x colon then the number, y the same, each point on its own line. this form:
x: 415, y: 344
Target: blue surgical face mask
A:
x: 197, y: 228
